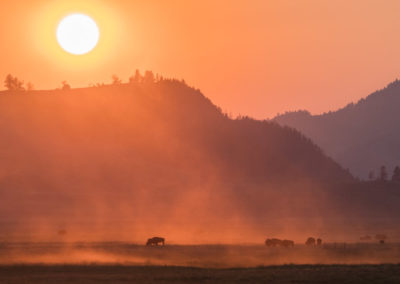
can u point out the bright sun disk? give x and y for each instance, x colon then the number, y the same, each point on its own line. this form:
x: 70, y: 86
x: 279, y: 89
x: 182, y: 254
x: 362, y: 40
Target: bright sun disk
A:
x: 78, y: 34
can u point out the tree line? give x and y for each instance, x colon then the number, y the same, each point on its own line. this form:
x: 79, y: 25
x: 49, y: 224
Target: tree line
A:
x: 12, y: 83
x: 384, y: 176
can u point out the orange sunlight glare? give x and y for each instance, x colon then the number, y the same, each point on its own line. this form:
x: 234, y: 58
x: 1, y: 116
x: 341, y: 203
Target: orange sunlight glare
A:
x: 49, y: 33
x: 78, y: 34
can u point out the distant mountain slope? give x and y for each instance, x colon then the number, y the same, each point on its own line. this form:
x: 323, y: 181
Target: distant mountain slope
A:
x: 362, y: 136
x: 158, y: 156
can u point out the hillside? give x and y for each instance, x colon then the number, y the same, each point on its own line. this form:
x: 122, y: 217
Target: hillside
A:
x: 134, y: 160
x: 361, y: 137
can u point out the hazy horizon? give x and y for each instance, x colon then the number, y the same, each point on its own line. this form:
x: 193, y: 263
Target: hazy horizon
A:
x: 199, y: 141
x: 253, y: 58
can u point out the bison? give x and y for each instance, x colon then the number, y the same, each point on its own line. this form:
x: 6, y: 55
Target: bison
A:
x: 319, y: 242
x: 381, y: 238
x: 272, y: 242
x: 287, y: 243
x: 310, y: 241
x: 155, y: 241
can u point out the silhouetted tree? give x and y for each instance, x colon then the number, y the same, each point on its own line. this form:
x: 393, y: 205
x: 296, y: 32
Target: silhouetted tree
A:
x: 13, y: 83
x: 29, y: 86
x: 116, y: 80
x: 65, y: 86
x: 8, y: 82
x: 137, y: 78
x: 159, y: 78
x: 383, y: 175
x: 396, y: 174
x: 148, y: 77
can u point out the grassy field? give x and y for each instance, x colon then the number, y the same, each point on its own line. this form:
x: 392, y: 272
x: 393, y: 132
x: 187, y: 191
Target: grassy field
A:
x: 155, y: 274
x: 129, y: 263
x: 203, y: 256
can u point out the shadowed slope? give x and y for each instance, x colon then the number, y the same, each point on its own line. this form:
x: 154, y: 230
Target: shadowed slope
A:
x: 156, y: 155
x: 361, y: 136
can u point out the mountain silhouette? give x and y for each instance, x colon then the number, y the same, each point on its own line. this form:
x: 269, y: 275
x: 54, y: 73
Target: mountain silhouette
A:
x: 165, y: 123
x: 129, y: 159
x: 361, y: 137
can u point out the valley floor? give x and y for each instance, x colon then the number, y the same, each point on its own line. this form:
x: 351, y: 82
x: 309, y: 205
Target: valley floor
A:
x: 45, y: 263
x: 42, y: 274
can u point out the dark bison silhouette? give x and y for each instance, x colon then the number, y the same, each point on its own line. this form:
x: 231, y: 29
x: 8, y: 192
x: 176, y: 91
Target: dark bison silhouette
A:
x: 310, y: 241
x: 381, y: 238
x: 319, y: 241
x: 287, y: 243
x: 155, y: 241
x: 278, y: 242
x: 272, y: 242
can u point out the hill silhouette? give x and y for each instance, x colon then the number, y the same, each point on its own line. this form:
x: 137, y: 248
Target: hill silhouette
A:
x: 131, y: 160
x: 361, y: 137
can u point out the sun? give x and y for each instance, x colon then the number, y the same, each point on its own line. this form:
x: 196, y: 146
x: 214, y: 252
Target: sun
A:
x: 78, y: 34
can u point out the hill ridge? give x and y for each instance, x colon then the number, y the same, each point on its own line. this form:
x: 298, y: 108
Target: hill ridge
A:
x: 341, y: 134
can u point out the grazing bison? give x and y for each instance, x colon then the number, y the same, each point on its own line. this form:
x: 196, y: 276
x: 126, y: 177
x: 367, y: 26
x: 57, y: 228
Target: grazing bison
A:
x: 319, y: 242
x: 155, y: 241
x: 381, y: 238
x: 287, y: 243
x: 310, y: 241
x: 273, y: 242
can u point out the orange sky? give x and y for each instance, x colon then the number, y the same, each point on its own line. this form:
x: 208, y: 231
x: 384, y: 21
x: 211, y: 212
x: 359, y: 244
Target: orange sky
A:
x: 254, y: 57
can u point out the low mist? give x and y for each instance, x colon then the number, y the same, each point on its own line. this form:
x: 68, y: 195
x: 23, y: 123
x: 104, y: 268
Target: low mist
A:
x: 215, y: 256
x: 125, y: 163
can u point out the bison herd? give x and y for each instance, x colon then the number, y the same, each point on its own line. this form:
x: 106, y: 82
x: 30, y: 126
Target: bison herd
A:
x: 288, y: 243
x: 381, y: 238
x: 311, y: 241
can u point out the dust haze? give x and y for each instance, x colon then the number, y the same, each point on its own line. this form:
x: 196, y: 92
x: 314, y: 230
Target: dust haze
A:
x: 217, y: 256
x: 125, y: 163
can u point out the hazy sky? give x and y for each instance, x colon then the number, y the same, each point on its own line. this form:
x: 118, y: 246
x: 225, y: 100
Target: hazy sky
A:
x: 253, y: 57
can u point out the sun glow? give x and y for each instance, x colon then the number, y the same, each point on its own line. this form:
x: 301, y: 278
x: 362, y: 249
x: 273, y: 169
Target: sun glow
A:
x: 46, y: 20
x: 78, y: 34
